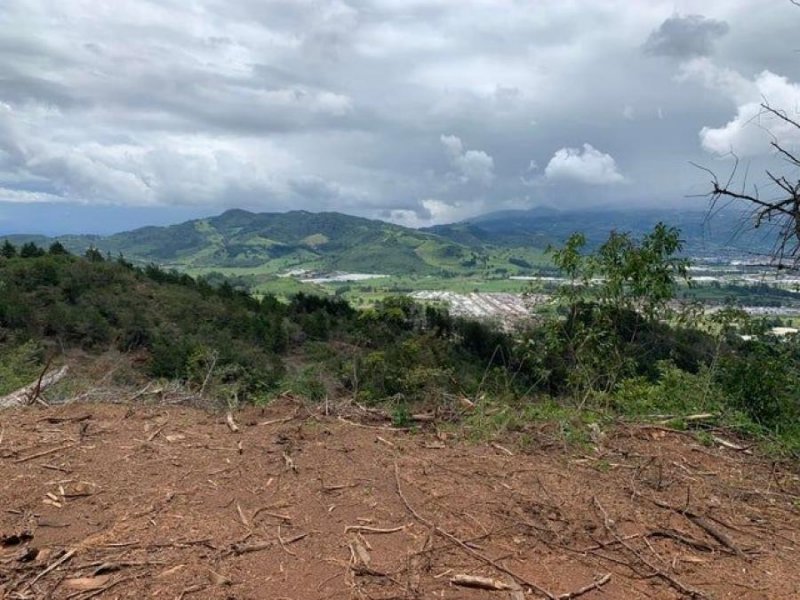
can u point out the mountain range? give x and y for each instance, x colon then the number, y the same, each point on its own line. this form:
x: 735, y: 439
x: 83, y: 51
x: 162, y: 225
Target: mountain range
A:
x: 274, y: 242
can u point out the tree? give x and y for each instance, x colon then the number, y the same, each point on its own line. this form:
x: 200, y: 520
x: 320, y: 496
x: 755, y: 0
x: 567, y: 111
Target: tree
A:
x: 624, y: 274
x: 30, y: 250
x: 8, y: 250
x: 57, y: 249
x: 613, y: 300
x: 92, y: 254
x: 781, y: 212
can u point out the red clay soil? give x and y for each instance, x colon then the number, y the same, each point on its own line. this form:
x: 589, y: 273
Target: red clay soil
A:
x: 110, y: 501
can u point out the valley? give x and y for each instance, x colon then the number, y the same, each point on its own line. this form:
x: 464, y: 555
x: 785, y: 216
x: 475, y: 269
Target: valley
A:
x: 462, y: 265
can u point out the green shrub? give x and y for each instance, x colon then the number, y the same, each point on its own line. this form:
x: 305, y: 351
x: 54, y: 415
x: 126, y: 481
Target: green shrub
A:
x: 762, y: 379
x: 674, y: 391
x: 19, y: 365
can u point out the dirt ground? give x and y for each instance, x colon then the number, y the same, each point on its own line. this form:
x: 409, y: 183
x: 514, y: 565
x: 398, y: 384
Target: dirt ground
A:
x: 112, y: 501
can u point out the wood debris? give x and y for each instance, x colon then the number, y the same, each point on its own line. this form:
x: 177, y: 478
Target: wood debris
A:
x: 478, y: 582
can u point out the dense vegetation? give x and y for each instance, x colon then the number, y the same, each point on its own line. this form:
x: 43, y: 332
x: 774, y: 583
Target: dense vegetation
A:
x: 617, y: 344
x: 624, y: 344
x: 222, y: 340
x: 271, y: 242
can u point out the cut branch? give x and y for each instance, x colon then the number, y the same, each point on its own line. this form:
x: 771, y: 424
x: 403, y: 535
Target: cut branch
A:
x: 29, y: 393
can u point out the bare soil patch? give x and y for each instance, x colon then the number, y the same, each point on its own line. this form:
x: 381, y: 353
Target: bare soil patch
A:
x: 112, y: 501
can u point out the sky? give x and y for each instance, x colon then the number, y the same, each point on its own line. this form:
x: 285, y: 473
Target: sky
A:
x: 119, y: 114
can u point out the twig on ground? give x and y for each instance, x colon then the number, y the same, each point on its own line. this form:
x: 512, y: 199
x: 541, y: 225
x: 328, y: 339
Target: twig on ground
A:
x: 264, y: 510
x: 245, y: 521
x: 57, y: 420
x: 231, y: 423
x: 703, y: 524
x: 239, y: 549
x: 587, y: 588
x: 192, y: 589
x: 502, y: 449
x: 381, y: 427
x: 56, y: 468
x: 290, y: 466
x: 688, y: 418
x: 478, y: 582
x: 282, y: 420
x: 283, y: 544
x: 608, y: 524
x: 730, y: 445
x: 365, y: 529
x: 446, y: 534
x: 54, y: 565
x: 157, y: 430
x: 45, y: 452
x: 103, y: 589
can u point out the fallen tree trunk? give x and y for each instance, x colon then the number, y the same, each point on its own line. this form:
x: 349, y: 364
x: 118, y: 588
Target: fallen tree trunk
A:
x: 27, y: 394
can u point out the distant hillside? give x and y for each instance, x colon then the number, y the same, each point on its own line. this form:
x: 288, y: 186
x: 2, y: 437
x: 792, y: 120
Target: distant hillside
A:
x: 264, y: 244
x: 725, y: 234
x: 273, y: 242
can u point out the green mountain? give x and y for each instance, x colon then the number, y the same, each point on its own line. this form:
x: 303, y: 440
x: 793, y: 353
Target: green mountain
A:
x: 725, y: 234
x: 274, y: 242
x: 259, y: 246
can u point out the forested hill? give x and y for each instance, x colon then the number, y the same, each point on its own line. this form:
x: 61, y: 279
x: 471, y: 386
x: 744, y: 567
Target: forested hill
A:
x: 275, y: 242
x: 221, y: 340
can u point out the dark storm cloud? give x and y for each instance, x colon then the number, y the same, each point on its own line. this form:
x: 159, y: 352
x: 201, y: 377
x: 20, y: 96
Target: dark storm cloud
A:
x: 415, y: 110
x: 685, y: 37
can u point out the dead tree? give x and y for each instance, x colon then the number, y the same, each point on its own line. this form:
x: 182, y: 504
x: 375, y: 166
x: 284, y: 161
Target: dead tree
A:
x: 779, y: 212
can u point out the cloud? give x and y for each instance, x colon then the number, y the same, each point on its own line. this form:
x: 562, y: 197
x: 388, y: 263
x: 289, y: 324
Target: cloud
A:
x: 587, y: 165
x: 750, y: 132
x: 338, y: 104
x: 729, y: 82
x: 684, y: 37
x: 474, y: 166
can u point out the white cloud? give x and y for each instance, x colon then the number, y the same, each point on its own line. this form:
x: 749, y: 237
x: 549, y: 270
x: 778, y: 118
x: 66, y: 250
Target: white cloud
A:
x: 472, y: 165
x: 452, y: 146
x: 751, y: 130
x: 586, y: 165
x: 434, y: 212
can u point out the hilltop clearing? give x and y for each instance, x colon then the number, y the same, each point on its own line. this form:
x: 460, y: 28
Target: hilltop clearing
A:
x: 125, y: 501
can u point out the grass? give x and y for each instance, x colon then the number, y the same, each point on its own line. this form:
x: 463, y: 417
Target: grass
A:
x: 19, y: 366
x: 669, y: 403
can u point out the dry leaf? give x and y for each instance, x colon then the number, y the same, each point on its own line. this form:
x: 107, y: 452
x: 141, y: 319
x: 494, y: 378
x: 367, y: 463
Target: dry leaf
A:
x: 218, y: 579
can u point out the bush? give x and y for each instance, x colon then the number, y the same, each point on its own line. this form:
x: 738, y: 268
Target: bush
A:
x: 674, y: 391
x: 762, y: 378
x: 19, y: 365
